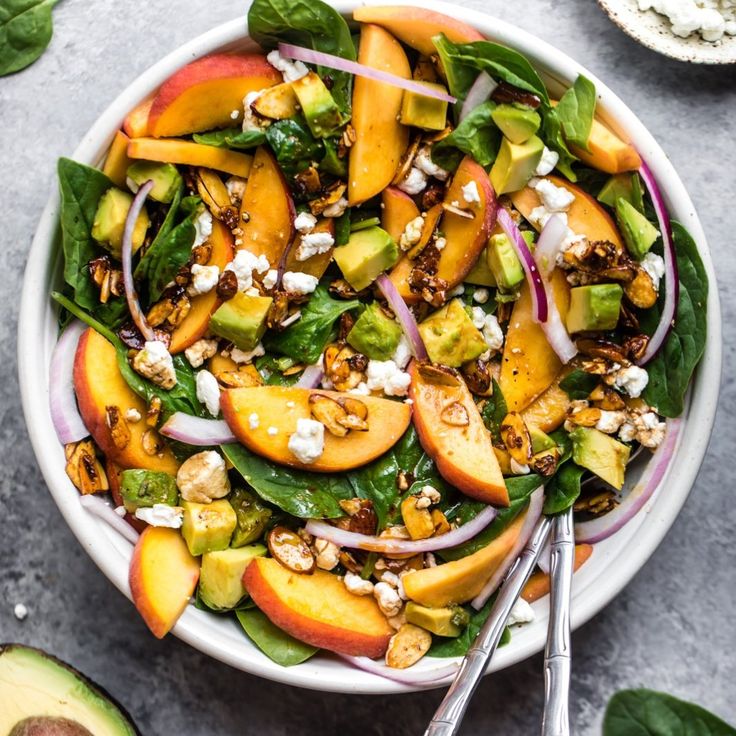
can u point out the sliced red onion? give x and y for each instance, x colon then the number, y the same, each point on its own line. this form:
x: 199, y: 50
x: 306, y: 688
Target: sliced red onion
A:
x: 320, y: 58
x: 604, y: 526
x: 62, y: 400
x: 536, y: 285
x: 127, y: 258
x: 534, y: 511
x: 479, y: 92
x: 197, y: 431
x: 311, y: 376
x: 549, y: 244
x: 409, y: 676
x: 403, y: 315
x: 384, y: 545
x: 100, y: 509
x: 671, y: 278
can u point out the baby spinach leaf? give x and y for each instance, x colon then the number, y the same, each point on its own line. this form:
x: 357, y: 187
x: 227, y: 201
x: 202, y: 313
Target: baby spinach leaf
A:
x: 649, y: 713
x: 298, y: 492
x: 576, y: 110
x: 672, y: 368
x: 293, y: 144
x: 495, y: 410
x: 81, y: 188
x: 477, y: 136
x: 564, y: 488
x: 274, y: 642
x: 25, y: 32
x: 231, y: 138
x: 306, y: 339
x: 552, y: 135
x: 579, y: 384
x: 271, y: 369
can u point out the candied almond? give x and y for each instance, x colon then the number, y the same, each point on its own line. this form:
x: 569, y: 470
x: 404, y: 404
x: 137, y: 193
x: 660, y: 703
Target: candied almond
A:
x: 290, y: 550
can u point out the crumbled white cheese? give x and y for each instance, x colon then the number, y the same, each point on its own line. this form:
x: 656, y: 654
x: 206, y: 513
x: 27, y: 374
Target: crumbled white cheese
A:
x: 386, y: 376
x: 313, y: 244
x: 327, y: 554
x: 710, y: 18
x: 253, y: 420
x: 235, y: 114
x: 132, y: 415
x: 632, y: 380
x: 547, y: 163
x: 428, y: 496
x: 414, y: 182
x: 203, y: 477
x: 272, y: 431
x: 402, y: 354
x: 481, y: 295
x: 388, y: 599
x: 298, y: 283
x: 423, y: 161
x: 521, y: 613
x: 120, y: 510
x: 244, y: 265
x: 627, y: 433
x: 236, y: 189
x: 653, y: 264
x: 270, y: 279
x: 246, y: 356
x: 610, y: 421
x: 305, y: 222
x: 356, y: 585
x: 458, y: 290
x: 336, y: 209
x: 161, y: 514
x: 361, y: 389
x: 554, y: 198
x: 308, y: 442
x: 155, y: 363
x: 20, y: 611
x: 204, y: 279
x: 412, y: 233
x: 251, y: 120
x: 202, y: 227
x: 200, y: 351
x: 291, y: 70
x: 470, y: 192
x: 208, y: 392
x: 488, y: 325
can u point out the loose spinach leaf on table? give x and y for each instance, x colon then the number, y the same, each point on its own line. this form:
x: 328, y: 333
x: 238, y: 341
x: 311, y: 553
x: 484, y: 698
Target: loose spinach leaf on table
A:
x: 25, y: 32
x: 578, y: 384
x: 477, y: 135
x: 672, y: 368
x: 273, y: 641
x: 231, y: 138
x: 650, y: 713
x: 81, y: 188
x: 563, y: 489
x: 576, y: 110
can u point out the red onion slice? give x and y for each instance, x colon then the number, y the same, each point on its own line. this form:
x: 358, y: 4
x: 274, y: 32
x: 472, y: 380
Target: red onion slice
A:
x: 479, y: 92
x: 536, y: 285
x: 197, y: 431
x: 671, y: 279
x: 603, y: 527
x: 311, y: 376
x: 409, y: 676
x: 127, y: 258
x: 403, y: 315
x: 534, y: 511
x: 384, y: 545
x: 549, y: 244
x: 62, y: 400
x: 310, y: 56
x: 100, y: 509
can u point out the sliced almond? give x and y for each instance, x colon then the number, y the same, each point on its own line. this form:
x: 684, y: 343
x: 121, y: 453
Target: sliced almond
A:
x: 118, y: 427
x: 440, y: 374
x: 457, y: 210
x: 515, y: 436
x: 290, y: 550
x: 407, y: 646
x: 418, y: 521
x: 277, y: 103
x: 407, y: 160
x: 152, y: 443
x: 326, y: 410
x: 455, y: 414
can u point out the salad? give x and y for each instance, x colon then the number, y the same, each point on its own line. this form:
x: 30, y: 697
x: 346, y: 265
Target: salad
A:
x: 342, y: 319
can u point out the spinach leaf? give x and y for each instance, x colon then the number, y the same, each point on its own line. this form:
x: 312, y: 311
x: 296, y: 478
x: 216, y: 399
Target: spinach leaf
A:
x: 274, y: 642
x: 649, y: 713
x: 309, y: 23
x: 142, y: 269
x: 298, y: 492
x: 564, y: 488
x: 231, y: 138
x: 331, y: 163
x: 579, y: 384
x: 25, y: 32
x: 271, y: 369
x: 477, y: 135
x: 494, y: 411
x: 113, y: 313
x: 306, y: 339
x: 81, y: 188
x: 293, y: 144
x: 553, y: 137
x: 576, y: 110
x: 342, y: 228
x: 672, y: 368
x: 244, y: 604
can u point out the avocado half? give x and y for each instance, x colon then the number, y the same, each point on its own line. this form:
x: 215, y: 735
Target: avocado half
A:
x: 42, y: 696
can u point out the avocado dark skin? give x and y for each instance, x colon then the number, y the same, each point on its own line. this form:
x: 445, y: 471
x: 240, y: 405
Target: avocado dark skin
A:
x: 48, y: 726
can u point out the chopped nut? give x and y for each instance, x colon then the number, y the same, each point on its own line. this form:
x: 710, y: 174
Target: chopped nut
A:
x: 641, y: 292
x: 119, y: 432
x: 201, y: 254
x: 338, y: 368
x: 439, y: 374
x: 545, y: 462
x: 216, y: 196
x: 349, y: 562
x: 356, y: 585
x: 635, y: 347
x: 388, y: 599
x: 587, y: 417
x: 227, y: 285
x: 327, y: 554
x: 456, y: 210
x: 407, y: 646
x: 364, y: 521
x: 153, y: 412
x: 515, y: 436
x: 478, y: 377
x: 597, y: 504
x: 604, y: 397
x: 326, y: 410
x: 455, y: 414
x: 418, y: 520
x: 330, y: 196
x: 507, y: 93
x: 151, y: 442
x: 406, y: 160
x: 84, y: 469
x: 203, y: 477
x: 596, y: 348
x: 290, y: 550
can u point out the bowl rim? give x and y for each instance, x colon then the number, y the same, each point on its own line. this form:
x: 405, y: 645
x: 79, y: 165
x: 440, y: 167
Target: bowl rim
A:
x: 325, y: 672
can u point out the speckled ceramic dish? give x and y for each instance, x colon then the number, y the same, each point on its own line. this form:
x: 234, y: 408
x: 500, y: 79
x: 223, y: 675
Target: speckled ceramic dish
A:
x: 654, y: 31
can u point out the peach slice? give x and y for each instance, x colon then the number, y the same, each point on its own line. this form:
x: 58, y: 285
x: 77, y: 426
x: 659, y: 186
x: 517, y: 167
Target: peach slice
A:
x: 381, y: 138
x: 197, y: 322
x: 279, y: 408
x: 178, y: 151
x: 267, y: 210
x: 607, y: 151
x: 452, y: 433
x: 548, y: 411
x: 117, y: 161
x: 100, y: 387
x: 205, y: 94
x: 136, y: 122
x: 162, y: 577
x: 416, y: 26
x: 317, y: 264
x: 538, y: 584
x: 397, y: 211
x: 317, y: 609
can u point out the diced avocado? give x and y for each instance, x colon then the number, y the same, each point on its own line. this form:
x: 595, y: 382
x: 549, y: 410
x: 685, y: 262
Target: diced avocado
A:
x: 639, y: 234
x: 541, y: 441
x: 375, y: 334
x: 424, y: 112
x: 503, y: 261
x: 594, y: 307
x: 481, y: 273
x: 166, y: 179
x: 221, y: 575
x: 517, y: 122
x: 208, y: 526
x: 448, y: 621
x: 626, y: 185
x: 242, y: 320
x: 367, y: 253
x: 109, y: 222
x: 601, y: 454
x: 450, y: 336
x: 318, y: 105
x: 252, y: 517
x: 515, y: 164
x: 140, y: 488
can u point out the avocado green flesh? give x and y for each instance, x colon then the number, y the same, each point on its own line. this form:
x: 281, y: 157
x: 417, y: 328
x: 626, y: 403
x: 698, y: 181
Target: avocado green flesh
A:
x: 368, y: 253
x: 541, y: 441
x: 422, y: 111
x: 318, y: 105
x: 146, y: 488
x: 627, y: 186
x: 517, y: 122
x: 207, y: 527
x: 515, y: 164
x: 251, y: 517
x: 594, y: 307
x: 450, y: 336
x: 448, y: 622
x: 220, y: 579
x: 375, y: 334
x: 109, y: 222
x: 504, y: 263
x: 35, y: 684
x: 601, y: 454
x: 639, y: 234
x: 242, y: 320
x: 166, y: 179
x: 481, y: 273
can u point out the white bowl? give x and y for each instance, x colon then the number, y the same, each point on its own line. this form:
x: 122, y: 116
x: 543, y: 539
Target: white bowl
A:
x: 613, y: 563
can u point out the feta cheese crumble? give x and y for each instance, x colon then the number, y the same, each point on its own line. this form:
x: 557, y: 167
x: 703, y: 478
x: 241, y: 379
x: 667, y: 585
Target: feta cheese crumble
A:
x: 386, y: 376
x: 132, y: 415
x: 204, y: 279
x: 244, y: 265
x: 412, y: 233
x: 200, y: 351
x: 356, y: 585
x: 291, y: 70
x: 298, y: 283
x: 313, y: 244
x: 548, y: 162
x: 471, y: 193
x: 521, y: 613
x: 251, y: 121
x: 161, y: 514
x: 308, y: 442
x: 305, y: 222
x: 488, y: 325
x: 423, y: 161
x: 270, y: 279
x: 481, y: 295
x: 336, y: 209
x: 631, y: 380
x: 552, y: 197
x: 712, y: 19
x: 20, y: 611
x: 208, y: 392
x: 414, y: 182
x: 155, y: 363
x: 402, y: 354
x: 203, y: 477
x: 653, y: 264
x: 246, y: 356
x: 202, y: 227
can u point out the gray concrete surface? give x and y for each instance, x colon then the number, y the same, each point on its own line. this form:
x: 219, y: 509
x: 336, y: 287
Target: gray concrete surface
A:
x: 674, y: 628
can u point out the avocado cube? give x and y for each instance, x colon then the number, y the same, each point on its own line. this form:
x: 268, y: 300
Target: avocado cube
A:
x: 503, y: 261
x: 318, y: 105
x: 109, y: 222
x: 166, y: 179
x: 141, y: 488
x: 375, y: 334
x: 207, y: 527
x: 450, y: 336
x: 515, y: 164
x: 601, y: 454
x: 594, y: 307
x: 221, y: 575
x: 367, y: 253
x: 424, y: 112
x: 481, y: 273
x: 625, y: 185
x: 448, y: 621
x: 517, y: 122
x: 541, y: 441
x: 639, y: 234
x: 242, y: 320
x: 252, y: 517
